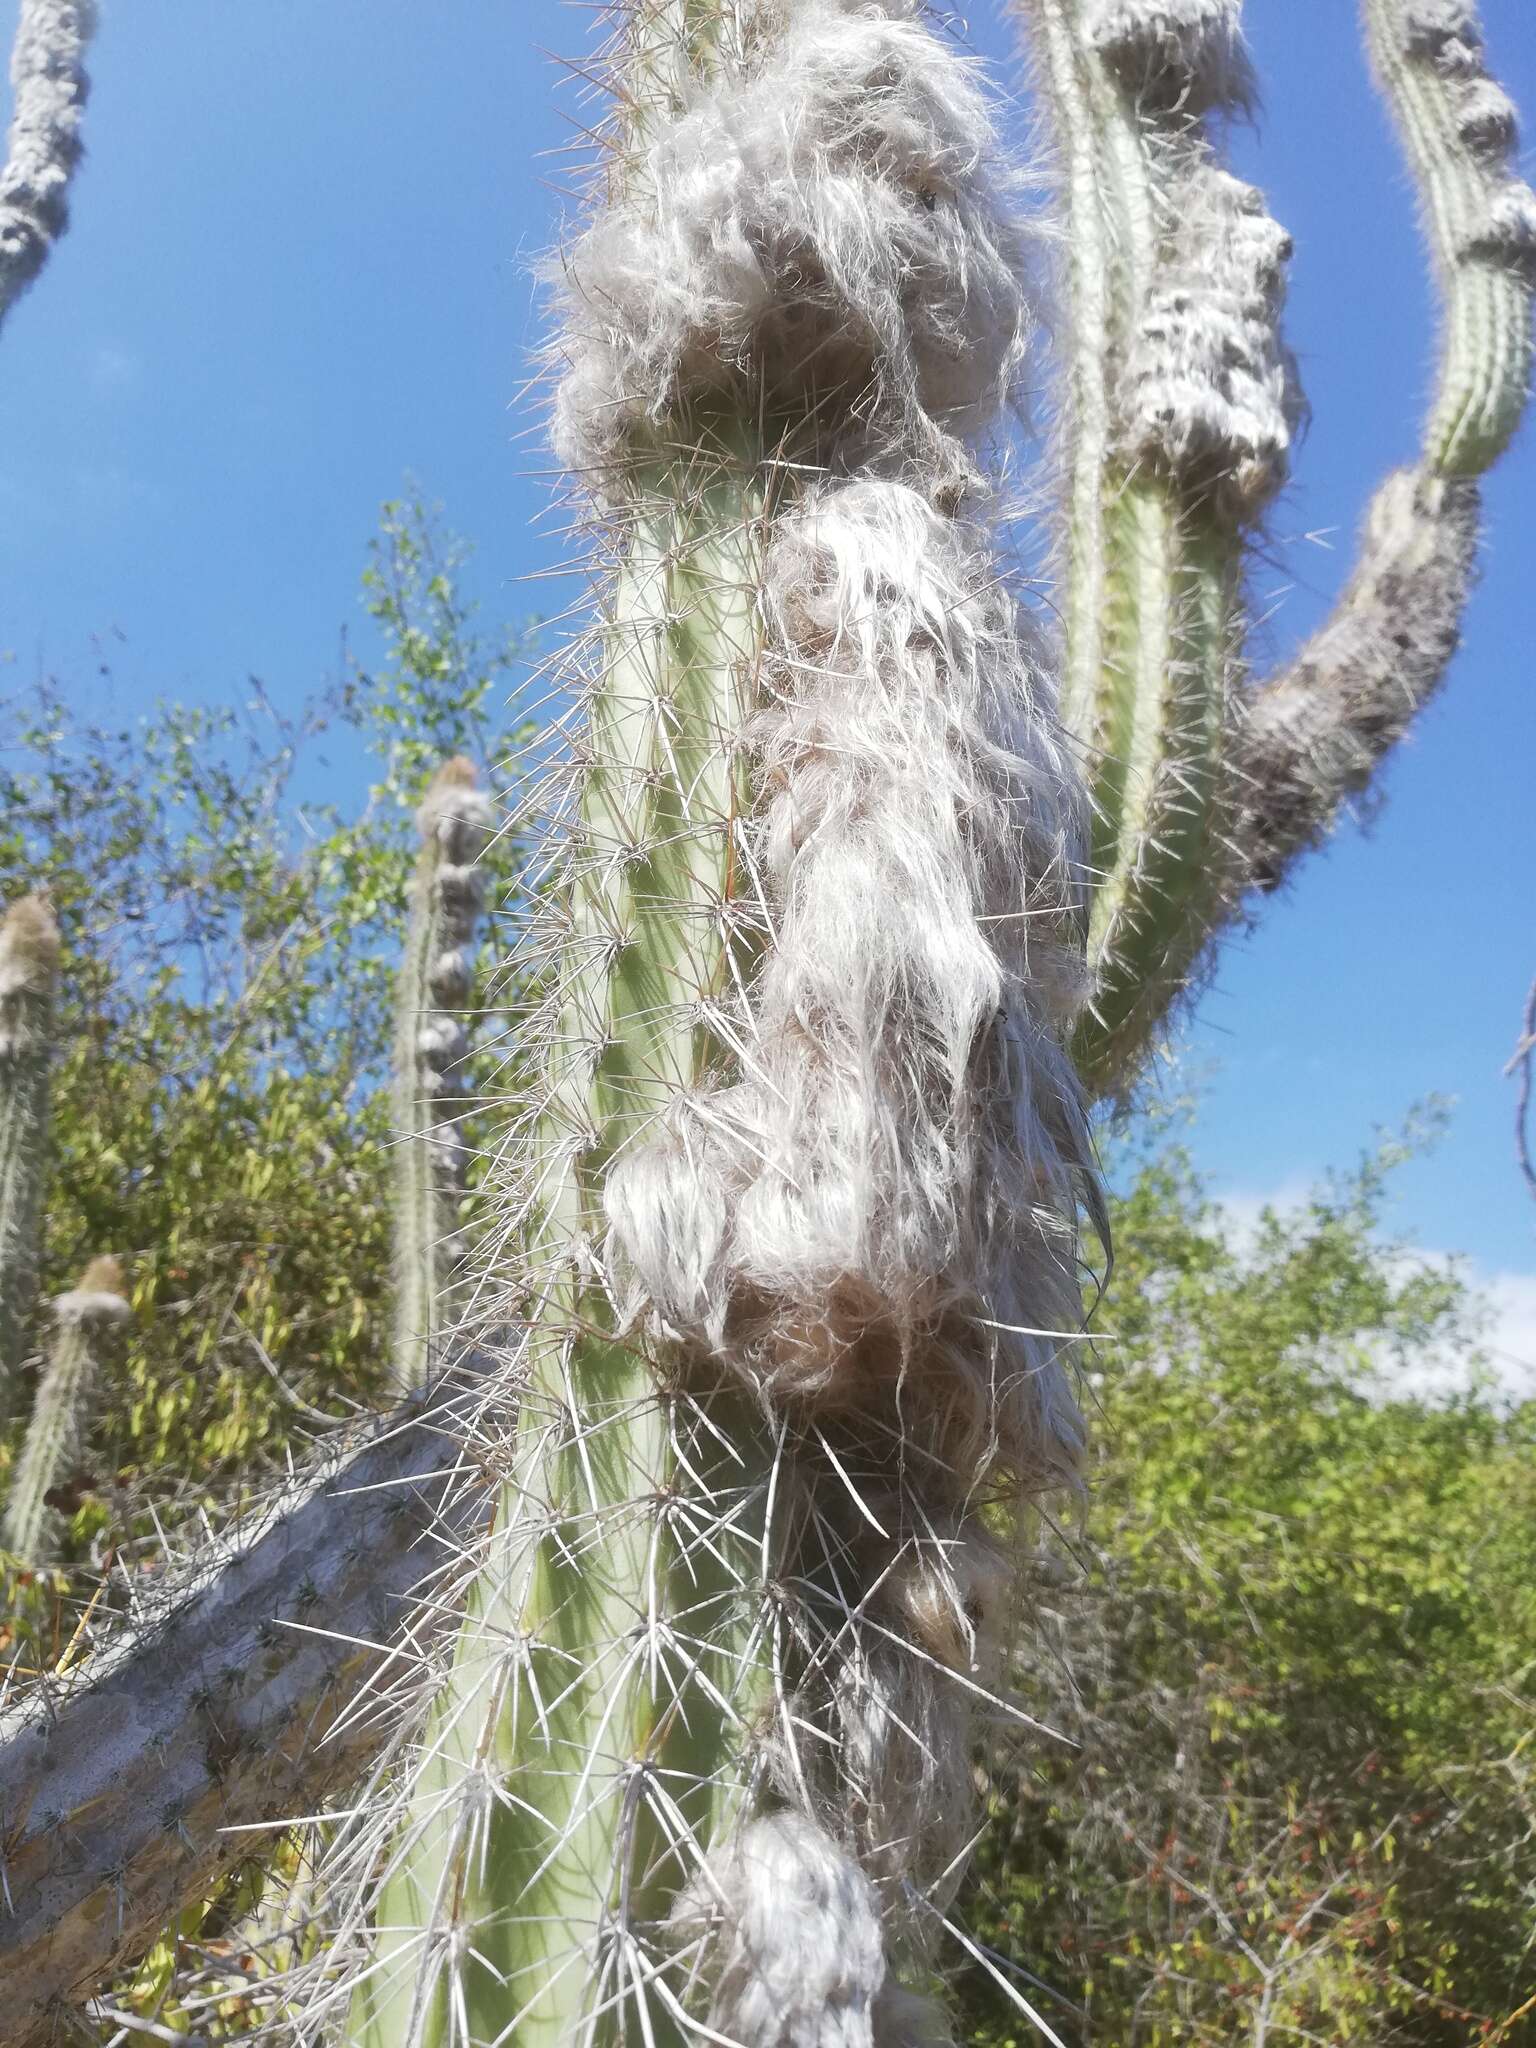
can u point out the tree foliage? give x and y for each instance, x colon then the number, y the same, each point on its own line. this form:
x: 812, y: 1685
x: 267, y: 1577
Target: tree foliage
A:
x: 1291, y: 1656
x: 232, y: 929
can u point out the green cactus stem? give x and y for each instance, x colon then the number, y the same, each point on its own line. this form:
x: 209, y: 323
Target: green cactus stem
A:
x: 431, y: 1044
x: 1316, y: 731
x: 87, y: 1323
x: 1179, y: 412
x: 29, y: 965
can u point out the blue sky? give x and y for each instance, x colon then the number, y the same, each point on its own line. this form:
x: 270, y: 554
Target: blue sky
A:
x: 302, y: 268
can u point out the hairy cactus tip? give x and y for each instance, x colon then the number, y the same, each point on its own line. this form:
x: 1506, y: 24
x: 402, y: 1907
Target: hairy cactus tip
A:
x: 87, y: 1320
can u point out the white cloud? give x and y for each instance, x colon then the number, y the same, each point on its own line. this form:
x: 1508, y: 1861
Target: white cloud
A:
x: 1504, y: 1349
x: 112, y: 368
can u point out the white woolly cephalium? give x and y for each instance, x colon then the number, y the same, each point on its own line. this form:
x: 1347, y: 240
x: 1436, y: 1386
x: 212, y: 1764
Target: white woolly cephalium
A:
x: 1187, y: 54
x: 827, y: 228
x: 879, y: 1217
x: 49, y: 87
x: 1207, y: 392
x: 1313, y: 736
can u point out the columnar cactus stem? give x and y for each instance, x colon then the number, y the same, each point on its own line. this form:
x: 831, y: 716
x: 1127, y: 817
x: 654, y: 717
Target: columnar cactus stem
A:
x: 1178, y: 431
x: 430, y: 1046
x: 29, y: 963
x: 262, y: 1677
x: 86, y: 1322
x: 794, y: 1214
x: 1318, y: 729
x: 49, y: 86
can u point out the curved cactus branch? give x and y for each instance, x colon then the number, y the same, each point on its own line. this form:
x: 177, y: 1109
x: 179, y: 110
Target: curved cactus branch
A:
x: 87, y: 1321
x: 1316, y: 732
x: 262, y: 1679
x: 1179, y: 415
x: 49, y: 85
x: 29, y: 966
x: 454, y: 821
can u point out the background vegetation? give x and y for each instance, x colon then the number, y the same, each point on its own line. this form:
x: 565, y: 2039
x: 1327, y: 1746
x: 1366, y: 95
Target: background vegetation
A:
x: 1290, y: 1644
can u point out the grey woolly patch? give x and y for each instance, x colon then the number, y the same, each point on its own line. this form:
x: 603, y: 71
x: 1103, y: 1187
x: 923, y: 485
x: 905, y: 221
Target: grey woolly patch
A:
x: 49, y: 89
x: 791, y: 1935
x: 1445, y: 36
x: 1508, y: 235
x: 903, y: 2020
x: 1208, y: 391
x: 1430, y: 27
x: 880, y: 1217
x: 1184, y: 55
x: 1486, y: 119
x: 828, y: 230
x: 1314, y: 735
x: 82, y: 1305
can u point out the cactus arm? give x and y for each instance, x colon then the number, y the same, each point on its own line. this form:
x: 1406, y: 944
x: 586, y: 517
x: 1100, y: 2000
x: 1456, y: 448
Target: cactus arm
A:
x: 1458, y: 132
x: 87, y: 1320
x: 29, y: 954
x: 1317, y: 730
x: 49, y: 86
x: 1176, y: 434
x: 525, y: 1887
x: 429, y: 1154
x: 123, y: 1787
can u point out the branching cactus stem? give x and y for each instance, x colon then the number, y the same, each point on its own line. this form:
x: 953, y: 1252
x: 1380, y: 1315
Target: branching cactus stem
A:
x: 29, y: 965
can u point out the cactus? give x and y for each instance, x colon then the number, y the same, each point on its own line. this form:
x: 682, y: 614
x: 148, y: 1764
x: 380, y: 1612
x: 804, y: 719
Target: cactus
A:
x: 791, y: 1211
x: 29, y: 962
x: 49, y: 86
x: 430, y: 1043
x: 254, y: 1681
x: 798, y: 1185
x: 1180, y: 409
x: 1317, y: 730
x: 86, y: 1322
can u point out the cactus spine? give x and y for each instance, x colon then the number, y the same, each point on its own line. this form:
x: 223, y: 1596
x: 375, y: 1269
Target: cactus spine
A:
x: 29, y: 965
x: 86, y: 1323
x: 430, y: 1046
